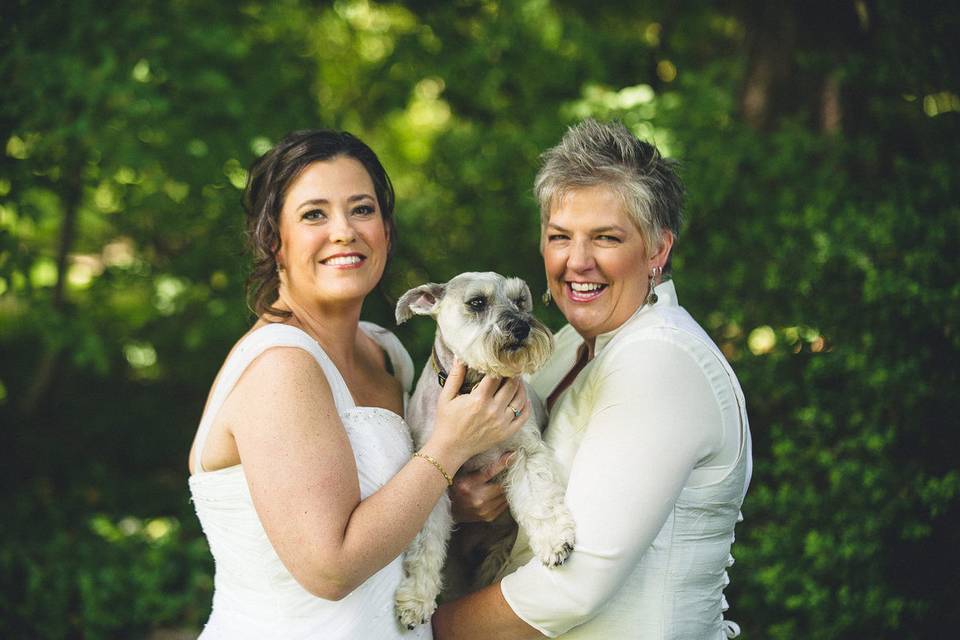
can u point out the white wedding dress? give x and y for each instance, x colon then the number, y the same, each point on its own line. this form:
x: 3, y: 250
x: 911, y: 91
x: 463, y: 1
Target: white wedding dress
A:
x: 254, y: 595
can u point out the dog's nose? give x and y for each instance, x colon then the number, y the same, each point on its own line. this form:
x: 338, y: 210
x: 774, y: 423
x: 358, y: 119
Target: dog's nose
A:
x: 519, y: 330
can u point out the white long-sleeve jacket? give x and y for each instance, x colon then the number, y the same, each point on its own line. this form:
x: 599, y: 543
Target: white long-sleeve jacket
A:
x: 653, y: 442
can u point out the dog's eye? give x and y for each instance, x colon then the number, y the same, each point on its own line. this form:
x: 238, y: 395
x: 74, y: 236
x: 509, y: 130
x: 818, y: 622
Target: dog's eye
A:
x: 477, y: 304
x: 519, y: 302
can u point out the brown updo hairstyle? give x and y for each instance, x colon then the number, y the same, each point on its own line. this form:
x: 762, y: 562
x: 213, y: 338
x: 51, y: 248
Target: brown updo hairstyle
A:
x: 270, y: 177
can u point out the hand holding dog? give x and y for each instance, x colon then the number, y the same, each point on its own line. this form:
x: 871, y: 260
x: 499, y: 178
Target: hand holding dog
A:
x: 472, y: 423
x: 476, y: 497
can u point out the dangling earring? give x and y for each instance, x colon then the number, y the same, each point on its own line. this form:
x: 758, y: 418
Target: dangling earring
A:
x: 546, y: 297
x: 652, y: 296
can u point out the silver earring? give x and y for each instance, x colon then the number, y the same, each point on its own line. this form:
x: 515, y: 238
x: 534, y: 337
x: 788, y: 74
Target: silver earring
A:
x: 546, y: 298
x: 652, y: 296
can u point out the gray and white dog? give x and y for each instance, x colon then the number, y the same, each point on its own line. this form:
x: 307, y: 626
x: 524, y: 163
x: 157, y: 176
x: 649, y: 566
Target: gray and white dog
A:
x: 485, y: 320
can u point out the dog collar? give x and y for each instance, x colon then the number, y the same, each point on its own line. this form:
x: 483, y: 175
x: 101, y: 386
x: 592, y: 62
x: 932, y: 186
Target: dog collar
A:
x: 442, y: 375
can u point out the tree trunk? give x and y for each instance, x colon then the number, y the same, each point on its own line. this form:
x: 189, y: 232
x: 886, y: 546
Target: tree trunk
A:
x: 771, y: 41
x: 71, y: 196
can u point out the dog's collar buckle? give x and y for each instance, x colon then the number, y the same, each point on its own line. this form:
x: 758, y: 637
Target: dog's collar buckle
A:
x: 442, y: 375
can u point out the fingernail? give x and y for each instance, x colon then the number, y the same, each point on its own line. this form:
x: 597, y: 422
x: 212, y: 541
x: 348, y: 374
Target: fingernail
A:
x: 509, y: 459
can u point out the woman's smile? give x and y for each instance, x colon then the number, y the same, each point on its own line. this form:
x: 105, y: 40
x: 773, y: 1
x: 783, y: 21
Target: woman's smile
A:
x: 584, y: 291
x: 344, y: 260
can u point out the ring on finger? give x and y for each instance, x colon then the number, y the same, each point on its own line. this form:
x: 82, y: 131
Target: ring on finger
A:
x: 516, y: 412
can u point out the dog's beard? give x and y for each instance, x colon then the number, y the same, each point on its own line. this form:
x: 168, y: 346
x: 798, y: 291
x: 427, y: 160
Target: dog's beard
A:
x: 499, y: 354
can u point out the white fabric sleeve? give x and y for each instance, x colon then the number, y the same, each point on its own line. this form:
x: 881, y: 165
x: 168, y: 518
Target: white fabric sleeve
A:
x: 654, y: 417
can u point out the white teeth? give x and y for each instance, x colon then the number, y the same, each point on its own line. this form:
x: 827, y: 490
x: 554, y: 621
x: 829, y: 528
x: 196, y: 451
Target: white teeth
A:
x: 342, y: 260
x: 585, y: 286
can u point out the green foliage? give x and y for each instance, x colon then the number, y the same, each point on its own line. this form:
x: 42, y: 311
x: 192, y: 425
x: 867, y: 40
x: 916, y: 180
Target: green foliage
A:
x: 821, y: 257
x: 106, y: 578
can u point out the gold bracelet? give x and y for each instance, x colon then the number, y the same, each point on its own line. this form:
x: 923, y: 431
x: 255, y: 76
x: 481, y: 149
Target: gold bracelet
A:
x: 433, y: 461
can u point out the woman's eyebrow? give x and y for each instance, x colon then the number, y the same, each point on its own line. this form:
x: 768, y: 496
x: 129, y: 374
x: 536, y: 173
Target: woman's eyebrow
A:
x: 360, y: 196
x: 322, y: 201
x: 610, y: 227
x: 613, y: 227
x: 313, y: 201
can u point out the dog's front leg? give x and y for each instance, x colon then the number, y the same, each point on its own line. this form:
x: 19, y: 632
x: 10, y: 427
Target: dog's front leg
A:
x: 416, y: 597
x: 536, y: 500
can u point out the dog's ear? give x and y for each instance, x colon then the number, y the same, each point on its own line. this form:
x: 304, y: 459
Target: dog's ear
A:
x: 419, y: 301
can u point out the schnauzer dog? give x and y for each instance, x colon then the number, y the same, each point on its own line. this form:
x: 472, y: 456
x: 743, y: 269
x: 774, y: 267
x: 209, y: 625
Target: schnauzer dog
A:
x: 485, y: 320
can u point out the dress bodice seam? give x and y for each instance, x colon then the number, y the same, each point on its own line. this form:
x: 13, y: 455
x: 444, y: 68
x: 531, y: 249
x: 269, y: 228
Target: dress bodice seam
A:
x: 400, y: 428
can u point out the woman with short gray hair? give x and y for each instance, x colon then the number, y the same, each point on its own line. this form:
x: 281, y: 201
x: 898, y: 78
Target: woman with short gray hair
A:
x: 647, y: 419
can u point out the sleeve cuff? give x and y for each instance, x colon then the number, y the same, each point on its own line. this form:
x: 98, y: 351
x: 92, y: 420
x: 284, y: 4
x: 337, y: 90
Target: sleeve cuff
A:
x: 505, y: 591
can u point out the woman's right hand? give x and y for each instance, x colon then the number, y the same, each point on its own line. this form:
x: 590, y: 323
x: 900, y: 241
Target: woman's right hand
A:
x: 472, y: 423
x: 476, y: 497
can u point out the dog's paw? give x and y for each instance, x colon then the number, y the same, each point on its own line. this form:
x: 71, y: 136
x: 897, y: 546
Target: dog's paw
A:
x: 554, y: 539
x: 413, y: 608
x: 411, y: 613
x: 556, y: 555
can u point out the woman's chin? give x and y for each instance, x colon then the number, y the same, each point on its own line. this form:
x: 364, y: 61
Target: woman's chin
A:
x: 582, y: 307
x: 342, y: 295
x: 584, y: 320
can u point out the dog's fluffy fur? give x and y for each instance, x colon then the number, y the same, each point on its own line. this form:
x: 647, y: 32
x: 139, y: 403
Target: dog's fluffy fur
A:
x: 485, y: 320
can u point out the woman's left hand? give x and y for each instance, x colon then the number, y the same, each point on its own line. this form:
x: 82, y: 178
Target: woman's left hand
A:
x: 475, y: 498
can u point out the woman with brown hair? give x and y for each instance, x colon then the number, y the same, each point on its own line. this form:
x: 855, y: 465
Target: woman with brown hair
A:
x: 302, y: 470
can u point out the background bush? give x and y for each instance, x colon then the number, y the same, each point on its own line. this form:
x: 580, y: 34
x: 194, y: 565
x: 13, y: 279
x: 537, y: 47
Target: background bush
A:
x: 819, y: 149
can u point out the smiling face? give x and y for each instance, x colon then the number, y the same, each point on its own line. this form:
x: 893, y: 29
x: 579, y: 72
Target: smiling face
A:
x: 333, y: 241
x: 596, y: 261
